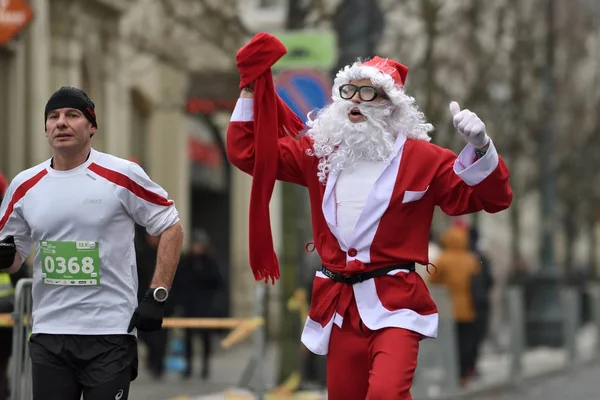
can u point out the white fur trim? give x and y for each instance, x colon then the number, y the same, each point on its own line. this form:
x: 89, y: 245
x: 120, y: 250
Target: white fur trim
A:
x: 316, y: 337
x: 375, y: 316
x: 474, y: 172
x: 244, y: 111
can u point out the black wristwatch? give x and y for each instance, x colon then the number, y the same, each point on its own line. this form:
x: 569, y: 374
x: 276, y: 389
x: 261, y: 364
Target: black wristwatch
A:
x: 480, y: 153
x: 160, y: 294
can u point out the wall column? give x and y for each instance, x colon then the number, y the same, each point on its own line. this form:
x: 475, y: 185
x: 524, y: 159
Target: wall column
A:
x: 242, y: 280
x: 18, y: 113
x: 117, y: 129
x: 38, y: 77
x: 168, y: 162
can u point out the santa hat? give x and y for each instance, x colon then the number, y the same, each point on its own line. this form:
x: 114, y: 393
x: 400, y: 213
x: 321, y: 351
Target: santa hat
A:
x: 387, y: 74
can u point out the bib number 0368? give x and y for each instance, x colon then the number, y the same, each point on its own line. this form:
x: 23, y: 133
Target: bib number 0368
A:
x: 61, y: 265
x: 70, y: 263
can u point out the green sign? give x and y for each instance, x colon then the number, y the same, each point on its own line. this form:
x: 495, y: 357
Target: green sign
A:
x: 308, y: 49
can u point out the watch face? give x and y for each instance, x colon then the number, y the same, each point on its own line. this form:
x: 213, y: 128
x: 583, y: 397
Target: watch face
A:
x: 160, y: 294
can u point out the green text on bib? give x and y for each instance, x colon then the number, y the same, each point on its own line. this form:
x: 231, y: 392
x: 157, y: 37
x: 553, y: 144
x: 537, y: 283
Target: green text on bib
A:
x: 70, y: 263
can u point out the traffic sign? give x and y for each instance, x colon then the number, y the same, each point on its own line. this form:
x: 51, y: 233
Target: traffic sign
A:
x: 303, y: 90
x: 308, y: 49
x: 14, y: 17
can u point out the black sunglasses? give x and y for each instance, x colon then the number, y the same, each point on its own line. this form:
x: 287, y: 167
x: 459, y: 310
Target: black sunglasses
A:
x: 366, y: 93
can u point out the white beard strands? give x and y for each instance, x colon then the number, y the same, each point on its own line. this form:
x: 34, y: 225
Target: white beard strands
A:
x: 339, y: 143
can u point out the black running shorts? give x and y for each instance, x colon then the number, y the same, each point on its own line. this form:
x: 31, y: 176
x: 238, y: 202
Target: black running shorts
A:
x: 99, y: 366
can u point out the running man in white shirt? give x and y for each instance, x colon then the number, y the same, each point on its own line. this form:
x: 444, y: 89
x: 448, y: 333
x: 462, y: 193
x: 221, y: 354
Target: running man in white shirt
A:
x: 80, y: 208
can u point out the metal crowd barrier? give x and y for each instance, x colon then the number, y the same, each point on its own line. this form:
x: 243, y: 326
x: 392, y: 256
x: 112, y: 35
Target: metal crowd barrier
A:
x: 20, y: 319
x: 21, y: 362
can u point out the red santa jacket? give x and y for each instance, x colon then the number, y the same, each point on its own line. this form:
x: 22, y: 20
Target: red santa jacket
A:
x: 392, y: 229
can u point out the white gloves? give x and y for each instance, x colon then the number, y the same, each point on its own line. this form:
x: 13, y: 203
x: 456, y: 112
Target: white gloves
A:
x: 470, y: 126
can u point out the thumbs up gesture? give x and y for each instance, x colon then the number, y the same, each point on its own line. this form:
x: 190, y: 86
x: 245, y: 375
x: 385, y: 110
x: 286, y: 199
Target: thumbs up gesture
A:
x: 470, y: 126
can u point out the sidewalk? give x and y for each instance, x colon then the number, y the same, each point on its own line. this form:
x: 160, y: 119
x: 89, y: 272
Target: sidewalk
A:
x: 494, y: 368
x: 227, y: 367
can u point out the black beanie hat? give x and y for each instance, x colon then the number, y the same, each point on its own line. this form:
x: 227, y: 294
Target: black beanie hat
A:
x: 72, y: 97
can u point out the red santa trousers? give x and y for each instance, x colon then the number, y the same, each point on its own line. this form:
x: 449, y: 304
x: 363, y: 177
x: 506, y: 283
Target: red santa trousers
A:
x: 372, y: 365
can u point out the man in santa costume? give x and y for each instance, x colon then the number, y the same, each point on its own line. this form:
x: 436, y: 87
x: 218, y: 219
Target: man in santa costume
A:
x: 374, y: 180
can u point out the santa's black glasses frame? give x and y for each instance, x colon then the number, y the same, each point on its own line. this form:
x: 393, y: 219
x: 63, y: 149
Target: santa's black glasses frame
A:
x: 366, y: 93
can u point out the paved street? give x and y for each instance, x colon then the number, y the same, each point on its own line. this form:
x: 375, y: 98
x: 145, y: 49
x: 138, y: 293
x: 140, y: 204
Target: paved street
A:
x: 582, y: 385
x: 229, y: 364
x: 228, y: 367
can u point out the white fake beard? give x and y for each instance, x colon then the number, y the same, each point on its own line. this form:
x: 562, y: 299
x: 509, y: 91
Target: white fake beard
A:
x: 339, y: 143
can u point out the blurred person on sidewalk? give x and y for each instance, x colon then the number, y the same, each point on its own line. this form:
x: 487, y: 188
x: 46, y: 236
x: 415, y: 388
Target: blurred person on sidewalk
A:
x: 456, y: 268
x: 374, y: 181
x: 520, y: 274
x: 146, y: 249
x: 8, y: 283
x: 197, y: 285
x: 482, y: 286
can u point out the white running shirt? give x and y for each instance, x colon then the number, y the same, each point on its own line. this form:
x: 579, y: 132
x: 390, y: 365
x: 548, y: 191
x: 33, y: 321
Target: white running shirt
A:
x: 82, y: 223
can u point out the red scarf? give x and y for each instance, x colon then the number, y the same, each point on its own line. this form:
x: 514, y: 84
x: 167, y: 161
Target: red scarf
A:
x: 273, y: 119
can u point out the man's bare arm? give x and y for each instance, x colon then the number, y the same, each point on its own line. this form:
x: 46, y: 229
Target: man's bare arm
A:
x: 169, y: 250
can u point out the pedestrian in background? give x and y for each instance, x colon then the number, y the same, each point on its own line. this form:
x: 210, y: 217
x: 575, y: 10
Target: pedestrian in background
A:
x: 456, y: 267
x: 146, y: 248
x: 197, y: 285
x: 482, y: 286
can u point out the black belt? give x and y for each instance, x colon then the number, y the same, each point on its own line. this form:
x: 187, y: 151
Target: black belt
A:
x: 357, y: 278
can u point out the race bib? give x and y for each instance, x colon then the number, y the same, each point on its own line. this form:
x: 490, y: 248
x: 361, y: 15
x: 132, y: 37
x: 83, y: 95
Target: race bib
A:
x: 70, y: 263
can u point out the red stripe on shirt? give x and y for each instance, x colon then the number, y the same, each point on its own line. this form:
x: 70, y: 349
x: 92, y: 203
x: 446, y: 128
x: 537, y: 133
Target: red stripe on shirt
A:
x: 20, y: 193
x: 124, y: 181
